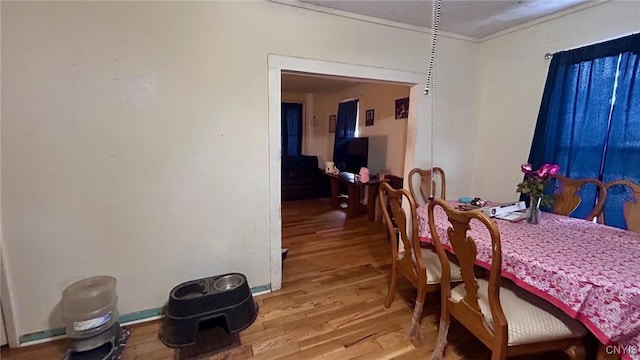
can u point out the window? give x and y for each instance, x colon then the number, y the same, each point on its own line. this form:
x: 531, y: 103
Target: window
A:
x: 589, y: 119
x: 291, y: 129
x: 345, y: 131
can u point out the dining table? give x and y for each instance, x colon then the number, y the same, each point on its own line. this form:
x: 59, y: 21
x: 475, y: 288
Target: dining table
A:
x: 589, y: 270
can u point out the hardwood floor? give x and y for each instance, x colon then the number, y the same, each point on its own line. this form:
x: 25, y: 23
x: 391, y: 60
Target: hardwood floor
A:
x: 335, y: 280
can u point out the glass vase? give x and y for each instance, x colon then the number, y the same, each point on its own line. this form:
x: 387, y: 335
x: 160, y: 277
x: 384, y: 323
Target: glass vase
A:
x: 533, y: 212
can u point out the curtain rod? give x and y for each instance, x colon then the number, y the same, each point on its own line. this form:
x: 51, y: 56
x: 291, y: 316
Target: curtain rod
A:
x: 549, y: 56
x: 350, y: 99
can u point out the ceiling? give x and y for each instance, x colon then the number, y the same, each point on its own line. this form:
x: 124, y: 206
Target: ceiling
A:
x: 476, y: 19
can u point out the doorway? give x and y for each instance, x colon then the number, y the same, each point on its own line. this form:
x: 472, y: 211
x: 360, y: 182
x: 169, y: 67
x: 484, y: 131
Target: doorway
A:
x: 276, y: 65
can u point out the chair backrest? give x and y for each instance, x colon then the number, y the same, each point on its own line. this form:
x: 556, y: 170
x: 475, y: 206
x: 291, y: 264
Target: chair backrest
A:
x: 631, y: 203
x: 468, y: 310
x: 430, y: 181
x: 405, y: 226
x: 567, y: 195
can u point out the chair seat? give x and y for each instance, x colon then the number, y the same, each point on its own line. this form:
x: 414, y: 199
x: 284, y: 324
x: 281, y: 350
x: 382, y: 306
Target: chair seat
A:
x: 434, y: 270
x: 530, y: 318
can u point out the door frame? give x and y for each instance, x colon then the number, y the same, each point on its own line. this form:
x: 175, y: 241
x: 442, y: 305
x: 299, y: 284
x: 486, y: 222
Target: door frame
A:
x: 418, y: 114
x: 7, y: 302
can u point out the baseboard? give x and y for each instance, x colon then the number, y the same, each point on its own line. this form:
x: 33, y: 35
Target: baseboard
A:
x: 125, y: 319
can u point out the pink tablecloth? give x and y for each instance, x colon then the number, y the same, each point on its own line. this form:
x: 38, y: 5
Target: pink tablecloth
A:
x: 590, y: 271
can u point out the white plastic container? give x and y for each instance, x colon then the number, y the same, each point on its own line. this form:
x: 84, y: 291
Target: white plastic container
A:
x: 89, y: 306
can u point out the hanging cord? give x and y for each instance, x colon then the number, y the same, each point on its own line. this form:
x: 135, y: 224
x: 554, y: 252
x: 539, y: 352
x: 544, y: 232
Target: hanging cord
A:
x: 435, y: 22
x: 431, y: 84
x: 433, y: 140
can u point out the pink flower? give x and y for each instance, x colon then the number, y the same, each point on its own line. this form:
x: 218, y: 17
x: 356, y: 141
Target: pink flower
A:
x: 543, y: 171
x: 535, y: 181
x: 548, y: 170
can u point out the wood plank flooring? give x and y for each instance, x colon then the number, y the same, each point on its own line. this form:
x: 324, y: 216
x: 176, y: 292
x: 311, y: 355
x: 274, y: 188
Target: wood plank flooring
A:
x: 335, y: 280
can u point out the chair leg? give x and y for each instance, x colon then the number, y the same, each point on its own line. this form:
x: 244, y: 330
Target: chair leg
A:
x: 414, y: 332
x: 392, y: 285
x: 577, y: 352
x: 441, y: 342
x: 499, y: 354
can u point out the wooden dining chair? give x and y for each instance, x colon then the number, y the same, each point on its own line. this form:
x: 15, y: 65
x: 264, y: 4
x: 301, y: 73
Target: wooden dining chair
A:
x: 507, y: 319
x: 420, y: 266
x: 631, y: 205
x: 434, y: 176
x: 567, y: 195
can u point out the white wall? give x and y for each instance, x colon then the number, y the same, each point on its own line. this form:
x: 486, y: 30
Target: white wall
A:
x: 135, y: 137
x: 455, y: 118
x: 387, y: 137
x: 319, y: 137
x: 511, y: 82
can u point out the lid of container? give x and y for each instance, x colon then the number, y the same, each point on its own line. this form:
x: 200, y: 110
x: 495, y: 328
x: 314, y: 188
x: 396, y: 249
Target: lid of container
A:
x: 90, y: 287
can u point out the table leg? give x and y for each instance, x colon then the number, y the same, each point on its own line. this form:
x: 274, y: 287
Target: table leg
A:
x: 354, y: 200
x: 335, y: 191
x: 371, y: 201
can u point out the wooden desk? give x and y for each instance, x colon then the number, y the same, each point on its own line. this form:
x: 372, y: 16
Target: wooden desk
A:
x: 354, y: 190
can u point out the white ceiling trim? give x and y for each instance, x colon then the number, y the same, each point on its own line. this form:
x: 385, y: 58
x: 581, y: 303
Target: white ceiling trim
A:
x: 374, y: 20
x: 421, y: 29
x: 544, y: 19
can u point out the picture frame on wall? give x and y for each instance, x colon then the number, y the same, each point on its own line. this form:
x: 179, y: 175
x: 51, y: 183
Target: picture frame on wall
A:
x: 370, y: 114
x: 332, y: 123
x: 402, y: 108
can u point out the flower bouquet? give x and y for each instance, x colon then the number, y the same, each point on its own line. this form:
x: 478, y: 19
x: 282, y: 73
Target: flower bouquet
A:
x: 535, y: 181
x: 533, y: 185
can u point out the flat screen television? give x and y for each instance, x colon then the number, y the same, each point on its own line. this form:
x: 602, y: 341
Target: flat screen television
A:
x: 357, y: 154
